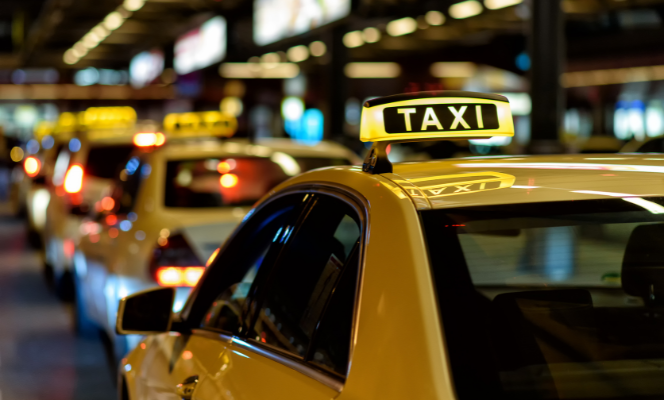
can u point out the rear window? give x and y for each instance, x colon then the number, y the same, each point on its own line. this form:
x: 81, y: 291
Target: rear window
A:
x: 219, y: 182
x: 103, y: 161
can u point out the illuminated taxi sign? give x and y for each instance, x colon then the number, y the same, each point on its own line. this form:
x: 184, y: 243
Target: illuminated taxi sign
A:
x: 44, y: 128
x: 200, y: 124
x: 436, y: 115
x: 107, y: 117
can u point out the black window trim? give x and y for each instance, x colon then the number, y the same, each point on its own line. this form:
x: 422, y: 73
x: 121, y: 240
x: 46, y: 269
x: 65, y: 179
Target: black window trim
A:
x: 361, y: 205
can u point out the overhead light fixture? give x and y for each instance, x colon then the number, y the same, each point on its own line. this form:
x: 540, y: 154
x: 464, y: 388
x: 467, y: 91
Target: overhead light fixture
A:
x: 453, y: 69
x: 254, y: 70
x: 353, y: 39
x: 400, y: 27
x: 612, y: 76
x: 69, y: 57
x: 372, y: 70
x: 100, y: 31
x: 317, y: 48
x: 465, y: 9
x: 298, y: 53
x: 434, y: 18
x: 371, y: 35
x: 113, y: 21
x: 270, y: 60
x: 497, y: 4
x: 133, y: 5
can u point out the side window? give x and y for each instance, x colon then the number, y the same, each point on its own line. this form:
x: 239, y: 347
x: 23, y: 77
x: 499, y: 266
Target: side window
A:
x: 126, y: 189
x: 259, y: 239
x: 315, y: 276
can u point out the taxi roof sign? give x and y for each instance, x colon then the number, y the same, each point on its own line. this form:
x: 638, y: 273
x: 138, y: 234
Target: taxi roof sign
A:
x: 436, y: 115
x: 200, y: 124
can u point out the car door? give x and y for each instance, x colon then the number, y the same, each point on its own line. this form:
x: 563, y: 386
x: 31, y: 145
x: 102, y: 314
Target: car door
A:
x: 214, y: 311
x: 294, y: 341
x: 102, y: 244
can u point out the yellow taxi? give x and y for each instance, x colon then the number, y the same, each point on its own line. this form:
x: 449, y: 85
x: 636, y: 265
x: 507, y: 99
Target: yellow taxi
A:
x: 475, y: 278
x: 82, y: 171
x: 176, y: 198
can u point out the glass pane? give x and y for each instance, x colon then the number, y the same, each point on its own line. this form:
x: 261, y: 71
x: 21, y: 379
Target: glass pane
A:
x: 552, y: 301
x: 226, y: 310
x: 214, y: 182
x: 307, y: 273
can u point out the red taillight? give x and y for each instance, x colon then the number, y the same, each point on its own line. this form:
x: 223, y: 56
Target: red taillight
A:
x: 228, y: 180
x: 149, y: 139
x: 32, y: 166
x: 179, y: 276
x: 74, y: 179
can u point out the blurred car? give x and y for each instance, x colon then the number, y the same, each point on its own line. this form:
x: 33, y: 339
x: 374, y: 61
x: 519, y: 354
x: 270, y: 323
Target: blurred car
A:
x: 82, y: 172
x: 479, y: 278
x: 37, y: 171
x: 145, y: 235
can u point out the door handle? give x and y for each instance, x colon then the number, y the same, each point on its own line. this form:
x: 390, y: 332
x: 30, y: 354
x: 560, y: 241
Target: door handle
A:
x: 186, y: 388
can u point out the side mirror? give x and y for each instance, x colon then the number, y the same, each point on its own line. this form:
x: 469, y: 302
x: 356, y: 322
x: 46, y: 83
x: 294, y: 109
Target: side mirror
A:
x: 146, y: 312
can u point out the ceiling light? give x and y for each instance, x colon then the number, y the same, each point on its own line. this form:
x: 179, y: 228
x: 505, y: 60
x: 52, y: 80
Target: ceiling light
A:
x: 371, y: 35
x: 353, y: 39
x: 496, y: 4
x: 434, y: 18
x: 465, y: 9
x: 298, y: 53
x: 270, y: 60
x: 113, y: 21
x: 453, y: 69
x: 372, y: 70
x: 401, y: 26
x: 257, y: 71
x: 69, y: 57
x: 100, y: 31
x: 80, y: 48
x: 317, y: 48
x: 133, y: 5
x: 90, y: 41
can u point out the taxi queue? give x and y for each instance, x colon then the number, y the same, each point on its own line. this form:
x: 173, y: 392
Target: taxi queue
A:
x: 107, y: 232
x: 508, y: 277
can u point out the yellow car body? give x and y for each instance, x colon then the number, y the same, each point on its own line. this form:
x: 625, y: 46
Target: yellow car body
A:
x: 398, y: 347
x: 404, y: 337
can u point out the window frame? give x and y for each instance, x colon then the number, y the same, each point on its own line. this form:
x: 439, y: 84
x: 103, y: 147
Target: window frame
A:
x: 334, y: 381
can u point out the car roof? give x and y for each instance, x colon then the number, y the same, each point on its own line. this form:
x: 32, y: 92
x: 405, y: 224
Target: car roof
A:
x: 182, y: 149
x: 478, y: 181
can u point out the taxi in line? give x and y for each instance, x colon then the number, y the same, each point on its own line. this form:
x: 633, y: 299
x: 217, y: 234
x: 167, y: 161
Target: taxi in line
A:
x: 83, y: 170
x: 179, y: 194
x: 474, y: 278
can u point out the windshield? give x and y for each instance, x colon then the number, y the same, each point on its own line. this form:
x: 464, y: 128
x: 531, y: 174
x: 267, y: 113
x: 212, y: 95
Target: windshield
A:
x: 561, y: 300
x: 218, y: 182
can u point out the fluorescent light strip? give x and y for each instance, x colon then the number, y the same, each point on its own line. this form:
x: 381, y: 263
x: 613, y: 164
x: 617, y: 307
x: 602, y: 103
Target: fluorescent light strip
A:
x: 497, y: 4
x: 612, y: 76
x: 258, y: 70
x: 465, y: 9
x: 371, y: 70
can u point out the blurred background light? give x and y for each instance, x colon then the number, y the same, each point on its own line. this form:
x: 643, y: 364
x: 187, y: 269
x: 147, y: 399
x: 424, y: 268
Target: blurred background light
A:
x: 113, y: 21
x: 400, y: 27
x: 256, y: 71
x: 434, y: 18
x: 353, y: 39
x: 465, y: 9
x: 317, y: 48
x: 497, y: 4
x: 32, y: 147
x: 74, y: 145
x: 453, y: 69
x: 655, y: 118
x: 371, y: 35
x: 133, y: 5
x: 298, y: 53
x: 292, y: 108
x: 372, y: 70
x: 231, y: 105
